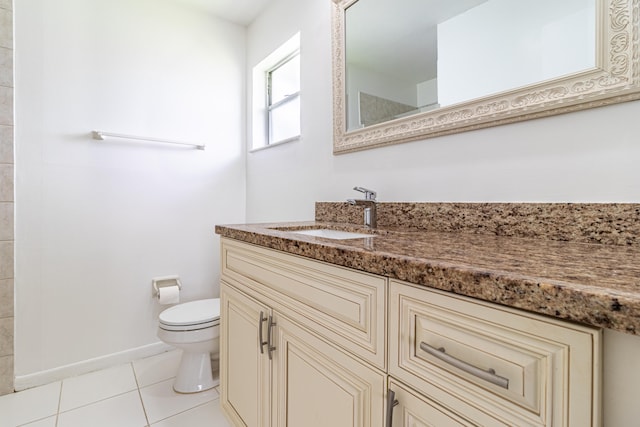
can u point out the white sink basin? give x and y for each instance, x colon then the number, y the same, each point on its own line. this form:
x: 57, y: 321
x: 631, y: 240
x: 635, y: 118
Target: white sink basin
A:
x: 332, y: 234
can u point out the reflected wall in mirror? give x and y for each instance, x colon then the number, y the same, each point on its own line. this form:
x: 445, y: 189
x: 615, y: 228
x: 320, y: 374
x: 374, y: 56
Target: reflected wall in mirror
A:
x: 413, y: 69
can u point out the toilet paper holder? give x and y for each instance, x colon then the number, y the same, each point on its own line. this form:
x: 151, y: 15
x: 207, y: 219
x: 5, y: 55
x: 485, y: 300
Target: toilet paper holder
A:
x: 161, y: 282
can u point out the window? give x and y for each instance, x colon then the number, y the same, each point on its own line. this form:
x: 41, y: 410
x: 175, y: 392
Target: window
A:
x: 283, y: 105
x: 276, y: 97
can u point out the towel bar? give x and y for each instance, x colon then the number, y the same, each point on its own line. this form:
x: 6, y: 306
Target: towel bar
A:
x: 100, y: 136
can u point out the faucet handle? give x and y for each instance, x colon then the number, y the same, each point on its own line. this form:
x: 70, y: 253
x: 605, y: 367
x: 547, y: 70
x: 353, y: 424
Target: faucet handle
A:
x: 368, y: 194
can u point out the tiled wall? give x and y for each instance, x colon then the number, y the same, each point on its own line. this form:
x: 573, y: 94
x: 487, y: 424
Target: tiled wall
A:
x: 374, y: 109
x: 6, y: 197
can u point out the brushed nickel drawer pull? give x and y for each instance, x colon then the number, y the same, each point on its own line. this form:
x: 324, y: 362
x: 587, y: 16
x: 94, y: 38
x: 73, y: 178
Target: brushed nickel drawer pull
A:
x: 392, y: 402
x: 270, y: 347
x: 263, y: 318
x: 488, y: 375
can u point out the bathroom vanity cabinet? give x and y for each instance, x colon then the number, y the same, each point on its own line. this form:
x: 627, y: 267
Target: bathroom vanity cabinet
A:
x: 307, y: 343
x: 302, y: 342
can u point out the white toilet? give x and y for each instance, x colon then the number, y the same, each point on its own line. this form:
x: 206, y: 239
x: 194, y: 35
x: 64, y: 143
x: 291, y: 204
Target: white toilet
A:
x: 193, y: 327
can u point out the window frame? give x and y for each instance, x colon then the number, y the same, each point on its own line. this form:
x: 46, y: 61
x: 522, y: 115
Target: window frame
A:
x: 259, y: 124
x: 271, y: 106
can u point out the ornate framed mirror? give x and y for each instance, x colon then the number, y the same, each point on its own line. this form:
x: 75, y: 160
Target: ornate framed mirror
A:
x: 479, y: 63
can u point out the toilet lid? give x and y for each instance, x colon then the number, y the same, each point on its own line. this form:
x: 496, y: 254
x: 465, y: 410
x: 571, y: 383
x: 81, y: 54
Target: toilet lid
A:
x: 191, y: 313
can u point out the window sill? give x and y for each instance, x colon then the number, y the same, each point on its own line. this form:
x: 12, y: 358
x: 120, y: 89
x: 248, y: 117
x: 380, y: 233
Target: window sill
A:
x: 275, y: 144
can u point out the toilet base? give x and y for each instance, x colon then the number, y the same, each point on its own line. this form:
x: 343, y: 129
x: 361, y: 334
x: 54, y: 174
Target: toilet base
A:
x: 194, y: 373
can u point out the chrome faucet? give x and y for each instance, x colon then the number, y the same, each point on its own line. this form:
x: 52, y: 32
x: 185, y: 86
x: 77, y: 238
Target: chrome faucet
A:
x: 370, y: 216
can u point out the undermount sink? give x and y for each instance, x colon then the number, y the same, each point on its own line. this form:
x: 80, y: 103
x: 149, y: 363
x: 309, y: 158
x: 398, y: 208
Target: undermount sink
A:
x: 332, y: 234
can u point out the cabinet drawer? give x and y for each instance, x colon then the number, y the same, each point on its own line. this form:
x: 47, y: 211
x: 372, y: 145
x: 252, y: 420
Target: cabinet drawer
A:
x: 415, y: 410
x: 342, y: 305
x: 523, y: 369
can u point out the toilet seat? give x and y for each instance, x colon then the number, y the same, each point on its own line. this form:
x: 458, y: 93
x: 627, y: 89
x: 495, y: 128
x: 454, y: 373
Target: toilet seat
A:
x: 191, y: 316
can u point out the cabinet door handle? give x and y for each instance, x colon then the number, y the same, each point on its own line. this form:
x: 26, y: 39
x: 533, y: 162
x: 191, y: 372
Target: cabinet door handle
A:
x: 263, y: 318
x: 488, y: 375
x: 270, y: 347
x: 392, y: 402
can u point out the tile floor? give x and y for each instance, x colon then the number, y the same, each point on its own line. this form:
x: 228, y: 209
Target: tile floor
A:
x: 137, y: 394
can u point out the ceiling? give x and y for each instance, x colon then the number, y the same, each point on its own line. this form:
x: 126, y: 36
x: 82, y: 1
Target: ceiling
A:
x: 241, y: 12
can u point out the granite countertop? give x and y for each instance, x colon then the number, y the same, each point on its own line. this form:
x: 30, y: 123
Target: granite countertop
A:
x: 593, y: 284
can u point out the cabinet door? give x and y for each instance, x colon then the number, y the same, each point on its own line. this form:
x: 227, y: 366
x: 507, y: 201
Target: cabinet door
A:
x: 319, y: 385
x: 244, y: 370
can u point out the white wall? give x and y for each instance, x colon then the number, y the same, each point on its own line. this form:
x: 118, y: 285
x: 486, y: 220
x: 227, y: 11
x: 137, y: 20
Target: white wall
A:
x: 484, y: 51
x: 282, y: 180
x: 589, y: 156
x: 427, y: 92
x: 97, y: 220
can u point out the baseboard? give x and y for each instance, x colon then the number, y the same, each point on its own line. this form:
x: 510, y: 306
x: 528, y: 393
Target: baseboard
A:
x: 24, y: 382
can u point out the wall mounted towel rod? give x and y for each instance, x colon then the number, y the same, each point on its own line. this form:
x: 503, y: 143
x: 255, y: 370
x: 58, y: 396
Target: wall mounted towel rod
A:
x: 99, y: 135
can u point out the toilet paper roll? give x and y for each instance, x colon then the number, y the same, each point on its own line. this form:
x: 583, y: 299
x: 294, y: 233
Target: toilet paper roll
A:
x: 169, y: 295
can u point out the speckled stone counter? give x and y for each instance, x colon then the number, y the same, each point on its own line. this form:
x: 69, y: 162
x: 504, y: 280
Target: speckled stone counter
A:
x: 591, y: 283
x: 606, y: 223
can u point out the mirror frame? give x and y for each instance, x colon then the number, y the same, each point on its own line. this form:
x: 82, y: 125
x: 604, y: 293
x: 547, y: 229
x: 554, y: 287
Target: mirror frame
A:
x: 614, y: 79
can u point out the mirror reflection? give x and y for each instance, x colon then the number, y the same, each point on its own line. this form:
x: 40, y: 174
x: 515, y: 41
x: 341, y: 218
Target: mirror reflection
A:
x: 405, y: 57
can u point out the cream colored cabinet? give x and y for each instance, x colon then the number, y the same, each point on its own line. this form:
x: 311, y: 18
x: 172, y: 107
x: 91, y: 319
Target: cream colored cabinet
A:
x: 491, y: 365
x: 412, y: 409
x: 318, y: 385
x: 280, y: 365
x: 305, y: 343
x: 246, y: 377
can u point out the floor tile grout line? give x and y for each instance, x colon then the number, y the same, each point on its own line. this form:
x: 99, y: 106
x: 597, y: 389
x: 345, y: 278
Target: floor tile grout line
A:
x: 47, y: 416
x: 216, y: 398
x: 144, y: 410
x: 186, y: 410
x: 156, y: 381
x: 136, y: 386
x: 59, y: 402
x: 97, y: 401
